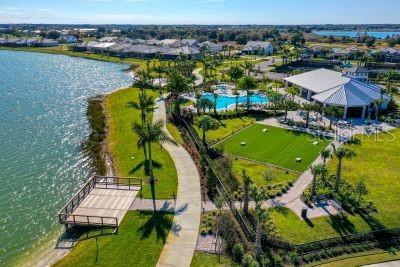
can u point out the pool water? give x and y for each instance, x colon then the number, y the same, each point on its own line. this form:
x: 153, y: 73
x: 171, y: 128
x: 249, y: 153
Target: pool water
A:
x: 224, y: 101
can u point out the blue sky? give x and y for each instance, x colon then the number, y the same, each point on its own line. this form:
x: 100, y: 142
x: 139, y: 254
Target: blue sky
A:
x: 200, y: 11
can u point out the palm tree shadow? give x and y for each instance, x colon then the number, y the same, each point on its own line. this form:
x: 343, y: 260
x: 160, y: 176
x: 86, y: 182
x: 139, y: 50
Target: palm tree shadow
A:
x: 160, y: 222
x: 145, y: 164
x: 373, y: 222
x: 342, y: 224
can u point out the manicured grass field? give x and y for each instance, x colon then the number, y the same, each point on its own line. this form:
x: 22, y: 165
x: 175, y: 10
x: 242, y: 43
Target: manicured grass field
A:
x: 128, y: 159
x: 139, y: 242
x: 226, y: 128
x: 376, y: 163
x: 256, y: 172
x: 276, y: 146
x: 201, y: 259
x: 364, y: 258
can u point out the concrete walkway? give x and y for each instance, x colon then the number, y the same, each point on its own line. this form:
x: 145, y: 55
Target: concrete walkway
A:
x: 385, y: 264
x: 181, y: 242
x: 199, y: 78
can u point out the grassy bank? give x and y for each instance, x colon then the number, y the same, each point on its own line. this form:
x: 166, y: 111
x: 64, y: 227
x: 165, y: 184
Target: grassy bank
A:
x: 122, y: 142
x: 139, y: 242
x: 93, y: 145
x: 201, y: 259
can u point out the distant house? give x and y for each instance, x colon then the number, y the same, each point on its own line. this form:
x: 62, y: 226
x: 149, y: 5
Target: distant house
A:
x: 11, y: 42
x: 2, y: 41
x: 358, y: 73
x: 258, y: 48
x: 332, y: 88
x: 67, y: 39
x: 211, y: 47
x: 189, y: 42
x: 108, y: 39
x: 123, y: 40
x: 48, y: 43
x: 32, y: 42
x: 102, y: 47
x: 119, y: 50
x: 169, y: 42
x: 346, y: 53
x: 390, y: 54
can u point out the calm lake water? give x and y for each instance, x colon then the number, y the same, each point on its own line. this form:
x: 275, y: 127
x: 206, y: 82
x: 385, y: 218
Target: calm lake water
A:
x: 376, y: 34
x: 42, y: 125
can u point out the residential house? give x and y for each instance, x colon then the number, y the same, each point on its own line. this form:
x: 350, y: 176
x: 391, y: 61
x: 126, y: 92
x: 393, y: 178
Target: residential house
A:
x: 102, y: 47
x: 211, y: 47
x: 169, y: 42
x: 32, y: 42
x: 189, y: 42
x: 331, y: 88
x: 48, y: 43
x: 108, y: 39
x: 357, y: 73
x: 258, y: 48
x: 390, y: 54
x: 11, y: 42
x: 346, y: 53
x: 67, y: 39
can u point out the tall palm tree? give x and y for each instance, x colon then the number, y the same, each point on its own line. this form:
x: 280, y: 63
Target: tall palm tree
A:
x: 293, y: 91
x: 246, y: 191
x: 145, y: 105
x: 248, y: 83
x: 325, y: 154
x: 248, y: 66
x: 236, y: 94
x: 261, y: 215
x: 317, y: 170
x: 159, y: 70
x: 206, y: 123
x: 308, y: 108
x: 235, y: 73
x: 341, y: 153
x: 148, y: 134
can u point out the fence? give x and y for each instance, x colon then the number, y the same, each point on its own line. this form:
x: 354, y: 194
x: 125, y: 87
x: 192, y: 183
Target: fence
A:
x: 220, y: 187
x: 65, y: 216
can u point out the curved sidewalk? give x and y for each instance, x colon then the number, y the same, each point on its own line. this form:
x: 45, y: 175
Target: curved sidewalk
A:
x: 181, y: 241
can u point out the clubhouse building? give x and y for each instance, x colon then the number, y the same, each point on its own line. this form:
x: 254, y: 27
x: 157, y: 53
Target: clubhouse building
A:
x: 332, y: 88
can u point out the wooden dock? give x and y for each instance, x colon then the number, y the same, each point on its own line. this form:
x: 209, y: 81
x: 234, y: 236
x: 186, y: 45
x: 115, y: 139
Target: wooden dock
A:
x: 102, y: 201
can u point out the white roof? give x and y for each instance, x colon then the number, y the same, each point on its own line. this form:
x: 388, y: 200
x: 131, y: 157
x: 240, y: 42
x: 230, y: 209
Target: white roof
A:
x: 333, y: 88
x: 318, y: 80
x: 103, y: 45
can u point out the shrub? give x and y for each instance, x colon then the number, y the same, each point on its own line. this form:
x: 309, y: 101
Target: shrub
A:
x: 267, y: 262
x: 254, y: 263
x: 238, y: 253
x: 247, y: 260
x: 278, y: 260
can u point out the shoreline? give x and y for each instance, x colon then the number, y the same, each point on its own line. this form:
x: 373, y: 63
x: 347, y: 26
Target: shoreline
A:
x: 51, y: 248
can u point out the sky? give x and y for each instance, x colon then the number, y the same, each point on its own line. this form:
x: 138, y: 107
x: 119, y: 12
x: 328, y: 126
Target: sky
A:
x: 200, y: 11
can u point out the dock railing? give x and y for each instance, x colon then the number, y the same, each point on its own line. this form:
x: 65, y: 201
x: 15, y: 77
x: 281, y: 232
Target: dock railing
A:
x: 65, y: 215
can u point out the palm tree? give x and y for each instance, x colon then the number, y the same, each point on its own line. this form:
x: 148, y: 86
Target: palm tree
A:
x: 293, y: 91
x: 246, y: 190
x: 308, y: 108
x: 248, y: 83
x: 275, y: 98
x: 145, y: 105
x: 235, y: 73
x: 261, y: 215
x: 331, y: 112
x: 341, y: 153
x: 325, y: 154
x: 248, y: 66
x: 317, y: 170
x: 206, y: 123
x: 236, y: 94
x: 148, y: 134
x: 178, y: 84
x: 159, y: 70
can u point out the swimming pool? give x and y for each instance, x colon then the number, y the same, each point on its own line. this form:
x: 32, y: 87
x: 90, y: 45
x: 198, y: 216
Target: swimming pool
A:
x: 224, y: 101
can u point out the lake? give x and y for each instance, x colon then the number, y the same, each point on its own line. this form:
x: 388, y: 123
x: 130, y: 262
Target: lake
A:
x: 42, y: 125
x: 376, y: 34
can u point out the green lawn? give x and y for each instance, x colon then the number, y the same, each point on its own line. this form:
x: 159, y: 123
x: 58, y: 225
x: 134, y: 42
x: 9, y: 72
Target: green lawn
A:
x: 139, y: 242
x: 226, y: 128
x: 174, y: 131
x: 361, y: 259
x: 376, y: 162
x: 128, y: 159
x: 201, y: 259
x: 276, y: 146
x: 256, y: 172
